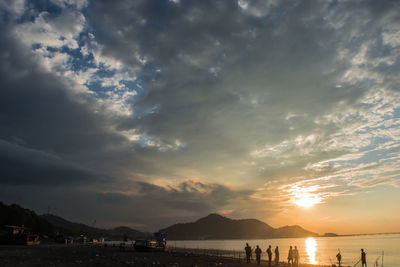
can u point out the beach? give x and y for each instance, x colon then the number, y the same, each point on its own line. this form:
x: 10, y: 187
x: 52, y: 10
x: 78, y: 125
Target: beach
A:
x: 97, y: 255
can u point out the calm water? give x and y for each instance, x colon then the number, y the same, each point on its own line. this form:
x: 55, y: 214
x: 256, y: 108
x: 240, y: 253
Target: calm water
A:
x: 318, y: 250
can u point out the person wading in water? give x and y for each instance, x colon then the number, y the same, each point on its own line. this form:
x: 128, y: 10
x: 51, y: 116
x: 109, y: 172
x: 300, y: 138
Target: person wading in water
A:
x: 290, y: 257
x: 363, y: 258
x: 258, y: 252
x: 269, y: 253
x: 339, y: 258
x: 277, y: 255
x: 247, y: 249
x: 296, y: 256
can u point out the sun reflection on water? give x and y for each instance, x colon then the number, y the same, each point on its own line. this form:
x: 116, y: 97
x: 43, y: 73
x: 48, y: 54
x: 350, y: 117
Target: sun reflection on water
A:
x: 311, y: 248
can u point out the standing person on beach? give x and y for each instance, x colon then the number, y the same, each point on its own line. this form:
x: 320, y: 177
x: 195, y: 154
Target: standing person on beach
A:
x: 363, y: 258
x: 296, y: 256
x: 269, y: 252
x: 290, y: 257
x: 277, y: 255
x: 247, y: 249
x: 339, y: 258
x: 258, y: 252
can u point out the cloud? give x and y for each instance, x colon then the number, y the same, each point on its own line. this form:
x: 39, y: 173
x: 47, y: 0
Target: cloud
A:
x: 65, y: 3
x: 53, y: 31
x: 246, y: 95
x: 21, y: 165
x: 14, y: 9
x: 36, y: 107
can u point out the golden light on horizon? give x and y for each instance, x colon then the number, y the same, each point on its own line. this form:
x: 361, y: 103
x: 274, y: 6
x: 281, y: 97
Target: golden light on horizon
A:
x: 311, y: 248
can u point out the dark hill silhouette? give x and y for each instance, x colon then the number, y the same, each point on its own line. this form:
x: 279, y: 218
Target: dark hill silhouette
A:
x: 49, y: 224
x: 293, y: 231
x: 215, y: 226
x: 16, y: 215
x: 80, y: 228
x: 64, y: 224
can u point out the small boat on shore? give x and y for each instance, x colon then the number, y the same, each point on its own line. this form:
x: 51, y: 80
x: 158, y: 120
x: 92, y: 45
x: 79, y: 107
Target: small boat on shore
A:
x: 17, y: 235
x: 157, y: 243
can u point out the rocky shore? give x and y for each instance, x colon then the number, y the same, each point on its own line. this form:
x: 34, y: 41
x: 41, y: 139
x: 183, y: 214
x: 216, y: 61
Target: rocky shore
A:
x: 94, y: 255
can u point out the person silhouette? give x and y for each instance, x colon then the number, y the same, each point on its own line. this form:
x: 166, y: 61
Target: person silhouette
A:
x: 269, y: 253
x: 276, y: 255
x: 247, y: 249
x: 290, y: 256
x: 339, y: 258
x: 296, y: 256
x: 363, y: 258
x: 258, y: 252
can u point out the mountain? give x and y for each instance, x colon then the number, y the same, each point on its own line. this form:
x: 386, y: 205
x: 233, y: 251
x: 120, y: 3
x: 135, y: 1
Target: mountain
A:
x: 61, y: 223
x: 215, y: 226
x: 16, y: 215
x: 131, y: 233
x: 49, y: 224
x: 293, y: 231
x: 80, y: 228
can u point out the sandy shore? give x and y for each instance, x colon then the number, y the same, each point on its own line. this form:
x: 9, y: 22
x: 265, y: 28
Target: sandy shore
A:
x: 75, y: 255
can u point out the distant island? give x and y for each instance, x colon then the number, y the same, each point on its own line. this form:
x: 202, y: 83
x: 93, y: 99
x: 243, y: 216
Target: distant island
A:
x: 330, y: 235
x: 215, y: 226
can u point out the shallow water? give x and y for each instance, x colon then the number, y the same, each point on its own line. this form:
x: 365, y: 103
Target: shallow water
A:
x: 317, y: 250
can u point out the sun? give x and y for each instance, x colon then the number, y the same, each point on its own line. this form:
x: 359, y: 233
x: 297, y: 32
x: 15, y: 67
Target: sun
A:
x: 306, y: 200
x: 305, y: 196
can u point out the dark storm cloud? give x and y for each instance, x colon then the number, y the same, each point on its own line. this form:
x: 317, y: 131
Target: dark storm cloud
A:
x: 21, y: 165
x: 49, y: 137
x: 36, y: 108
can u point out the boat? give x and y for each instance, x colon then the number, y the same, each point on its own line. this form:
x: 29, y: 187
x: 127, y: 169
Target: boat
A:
x: 157, y: 243
x: 81, y: 239
x: 18, y: 235
x: 64, y: 238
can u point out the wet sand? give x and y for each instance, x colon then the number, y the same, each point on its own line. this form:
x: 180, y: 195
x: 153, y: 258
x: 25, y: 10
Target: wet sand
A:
x: 87, y: 255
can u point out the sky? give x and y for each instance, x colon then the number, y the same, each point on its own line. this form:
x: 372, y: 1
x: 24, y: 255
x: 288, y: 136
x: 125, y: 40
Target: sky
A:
x: 151, y: 112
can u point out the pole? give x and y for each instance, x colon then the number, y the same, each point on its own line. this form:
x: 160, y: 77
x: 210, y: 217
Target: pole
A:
x: 382, y: 258
x: 356, y: 263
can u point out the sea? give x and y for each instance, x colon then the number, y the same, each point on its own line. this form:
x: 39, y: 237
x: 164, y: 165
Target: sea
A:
x: 379, y: 248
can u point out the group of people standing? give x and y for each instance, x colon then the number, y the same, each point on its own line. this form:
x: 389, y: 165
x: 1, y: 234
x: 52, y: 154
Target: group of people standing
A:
x: 293, y: 255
